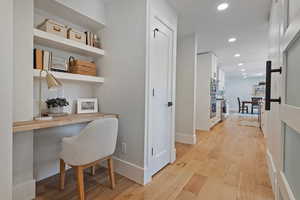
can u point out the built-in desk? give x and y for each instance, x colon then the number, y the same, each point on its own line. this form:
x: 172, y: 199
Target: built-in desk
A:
x: 59, y: 121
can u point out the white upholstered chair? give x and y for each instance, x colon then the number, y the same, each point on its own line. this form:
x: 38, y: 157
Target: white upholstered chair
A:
x: 96, y: 142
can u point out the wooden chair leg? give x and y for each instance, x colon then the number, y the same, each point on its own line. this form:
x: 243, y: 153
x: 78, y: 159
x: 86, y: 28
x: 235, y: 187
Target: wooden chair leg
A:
x: 93, y: 170
x: 62, y: 174
x: 111, y: 173
x: 80, y: 182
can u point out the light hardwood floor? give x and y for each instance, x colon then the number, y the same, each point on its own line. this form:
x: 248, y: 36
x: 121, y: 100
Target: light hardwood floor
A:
x: 228, y: 163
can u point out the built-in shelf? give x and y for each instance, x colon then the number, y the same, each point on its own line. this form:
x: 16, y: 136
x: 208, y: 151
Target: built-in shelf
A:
x: 60, y: 9
x: 55, y: 41
x: 70, y: 76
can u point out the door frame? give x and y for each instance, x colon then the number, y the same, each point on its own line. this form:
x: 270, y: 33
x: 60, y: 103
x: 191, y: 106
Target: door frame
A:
x: 288, y: 113
x: 154, y: 14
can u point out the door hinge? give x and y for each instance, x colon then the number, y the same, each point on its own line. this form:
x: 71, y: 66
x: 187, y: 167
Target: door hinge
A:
x: 153, y: 93
x: 154, y: 32
x: 152, y: 151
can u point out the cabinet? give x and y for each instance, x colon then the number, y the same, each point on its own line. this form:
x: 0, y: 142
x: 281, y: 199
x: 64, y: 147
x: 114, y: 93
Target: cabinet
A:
x: 221, y: 80
x: 206, y: 92
x: 214, y: 66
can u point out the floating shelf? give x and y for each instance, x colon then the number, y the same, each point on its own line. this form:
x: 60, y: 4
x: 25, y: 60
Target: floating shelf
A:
x: 57, y: 8
x: 69, y: 76
x: 54, y: 41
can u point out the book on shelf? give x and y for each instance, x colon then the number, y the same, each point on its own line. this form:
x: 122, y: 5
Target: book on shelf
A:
x: 92, y: 39
x: 47, y: 57
x: 38, y: 58
x: 42, y: 59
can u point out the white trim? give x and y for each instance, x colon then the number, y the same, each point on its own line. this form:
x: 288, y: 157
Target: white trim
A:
x: 173, y: 28
x: 272, y: 170
x: 284, y: 187
x: 173, y: 155
x: 290, y: 115
x: 291, y: 33
x: 54, y: 41
x: 129, y: 170
x: 70, y: 76
x: 185, y: 138
x: 24, y: 191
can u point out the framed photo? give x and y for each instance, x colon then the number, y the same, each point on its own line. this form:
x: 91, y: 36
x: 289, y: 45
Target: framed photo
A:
x: 85, y: 105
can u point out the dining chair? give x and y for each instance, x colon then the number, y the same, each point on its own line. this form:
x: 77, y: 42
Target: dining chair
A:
x: 242, y: 107
x: 255, y: 103
x: 96, y: 142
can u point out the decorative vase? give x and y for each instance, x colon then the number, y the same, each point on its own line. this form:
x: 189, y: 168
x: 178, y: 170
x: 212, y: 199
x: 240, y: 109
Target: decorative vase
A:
x: 56, y: 110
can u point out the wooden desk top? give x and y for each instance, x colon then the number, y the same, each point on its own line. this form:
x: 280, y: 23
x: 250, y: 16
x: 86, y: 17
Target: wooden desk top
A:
x: 59, y: 121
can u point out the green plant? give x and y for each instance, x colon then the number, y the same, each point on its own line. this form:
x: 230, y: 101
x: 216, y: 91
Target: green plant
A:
x: 58, y: 102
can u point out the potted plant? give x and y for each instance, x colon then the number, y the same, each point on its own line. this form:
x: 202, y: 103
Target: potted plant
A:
x: 56, y: 106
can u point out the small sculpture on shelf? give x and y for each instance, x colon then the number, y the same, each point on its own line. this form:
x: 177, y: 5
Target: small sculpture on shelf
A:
x: 56, y: 106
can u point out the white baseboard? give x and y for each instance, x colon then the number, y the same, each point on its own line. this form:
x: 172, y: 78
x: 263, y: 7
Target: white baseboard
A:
x: 272, y: 170
x: 285, y: 189
x: 185, y: 138
x: 173, y: 156
x: 130, y: 171
x: 24, y: 191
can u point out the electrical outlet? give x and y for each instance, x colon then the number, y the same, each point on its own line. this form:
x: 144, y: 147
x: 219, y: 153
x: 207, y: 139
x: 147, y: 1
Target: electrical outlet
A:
x: 123, y: 147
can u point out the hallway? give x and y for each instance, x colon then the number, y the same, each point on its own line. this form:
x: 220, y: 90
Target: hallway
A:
x: 228, y: 163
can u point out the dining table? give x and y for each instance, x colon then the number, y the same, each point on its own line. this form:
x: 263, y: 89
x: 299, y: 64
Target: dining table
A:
x: 245, y: 103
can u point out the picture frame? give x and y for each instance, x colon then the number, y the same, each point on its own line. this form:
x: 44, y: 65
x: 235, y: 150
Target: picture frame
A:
x: 87, y: 105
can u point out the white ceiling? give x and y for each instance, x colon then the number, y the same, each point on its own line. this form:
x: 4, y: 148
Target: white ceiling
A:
x: 247, y: 20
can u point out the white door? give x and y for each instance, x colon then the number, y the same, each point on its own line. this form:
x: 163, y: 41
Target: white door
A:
x: 161, y: 48
x: 273, y: 125
x: 289, y: 116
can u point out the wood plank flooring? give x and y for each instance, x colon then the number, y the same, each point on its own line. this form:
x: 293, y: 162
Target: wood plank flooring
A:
x: 227, y: 163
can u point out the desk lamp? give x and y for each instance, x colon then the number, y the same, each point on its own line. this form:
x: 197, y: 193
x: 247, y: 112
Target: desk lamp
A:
x: 53, y: 84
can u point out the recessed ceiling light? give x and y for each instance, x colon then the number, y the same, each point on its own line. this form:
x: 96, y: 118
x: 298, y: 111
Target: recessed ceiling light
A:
x: 242, y: 70
x: 240, y: 64
x: 237, y: 55
x: 223, y: 6
x: 231, y: 40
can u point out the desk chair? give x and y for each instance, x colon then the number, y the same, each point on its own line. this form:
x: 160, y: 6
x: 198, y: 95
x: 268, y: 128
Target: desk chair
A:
x: 242, y: 107
x: 96, y: 142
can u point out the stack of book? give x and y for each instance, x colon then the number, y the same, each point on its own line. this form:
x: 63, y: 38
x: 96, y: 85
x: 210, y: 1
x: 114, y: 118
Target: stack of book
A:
x: 92, y: 39
x: 42, y: 59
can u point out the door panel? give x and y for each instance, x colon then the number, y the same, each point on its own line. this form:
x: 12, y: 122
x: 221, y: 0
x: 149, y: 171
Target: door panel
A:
x: 293, y: 75
x: 160, y: 71
x: 294, y: 6
x: 291, y: 159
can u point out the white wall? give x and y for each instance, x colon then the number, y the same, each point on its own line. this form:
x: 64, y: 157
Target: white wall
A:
x: 6, y: 77
x: 23, y: 180
x: 92, y: 8
x: 238, y: 87
x: 123, y: 67
x: 205, y: 67
x: 186, y: 88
